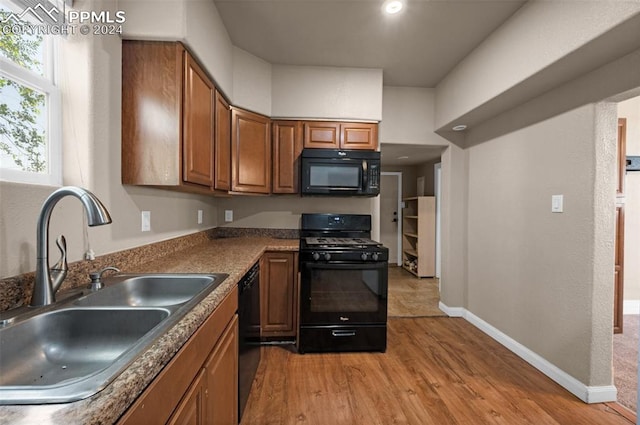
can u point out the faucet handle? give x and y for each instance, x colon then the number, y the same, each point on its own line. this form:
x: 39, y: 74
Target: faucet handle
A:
x: 96, y: 277
x: 59, y: 271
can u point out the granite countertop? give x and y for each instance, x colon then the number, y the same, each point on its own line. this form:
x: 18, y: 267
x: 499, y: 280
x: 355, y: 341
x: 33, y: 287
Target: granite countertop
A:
x: 233, y: 256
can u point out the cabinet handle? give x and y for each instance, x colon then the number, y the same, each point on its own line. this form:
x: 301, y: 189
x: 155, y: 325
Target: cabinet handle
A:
x: 343, y: 333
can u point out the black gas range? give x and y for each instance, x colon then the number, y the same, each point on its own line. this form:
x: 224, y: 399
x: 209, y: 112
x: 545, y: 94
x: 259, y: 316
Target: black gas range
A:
x: 343, y: 303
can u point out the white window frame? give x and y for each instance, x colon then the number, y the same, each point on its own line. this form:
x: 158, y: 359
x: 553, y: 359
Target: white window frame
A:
x: 53, y: 128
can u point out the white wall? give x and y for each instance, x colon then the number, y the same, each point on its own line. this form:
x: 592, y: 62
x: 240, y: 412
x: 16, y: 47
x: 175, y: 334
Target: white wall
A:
x: 630, y: 110
x: 326, y: 92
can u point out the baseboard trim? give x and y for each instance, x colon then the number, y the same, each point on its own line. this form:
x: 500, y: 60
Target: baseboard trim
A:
x: 452, y: 311
x: 631, y: 307
x: 588, y: 394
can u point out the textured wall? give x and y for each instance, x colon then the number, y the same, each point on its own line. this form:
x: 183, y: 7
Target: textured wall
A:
x: 326, y: 92
x: 542, y: 278
x: 408, y: 116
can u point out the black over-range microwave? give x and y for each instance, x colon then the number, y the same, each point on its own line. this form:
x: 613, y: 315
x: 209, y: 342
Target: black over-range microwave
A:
x: 340, y: 172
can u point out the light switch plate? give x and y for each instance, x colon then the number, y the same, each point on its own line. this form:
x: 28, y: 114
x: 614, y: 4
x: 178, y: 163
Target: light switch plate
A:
x: 200, y: 216
x: 557, y: 203
x: 146, y: 221
x: 228, y: 215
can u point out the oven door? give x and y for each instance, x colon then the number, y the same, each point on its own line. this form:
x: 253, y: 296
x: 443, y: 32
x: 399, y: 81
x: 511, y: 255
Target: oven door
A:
x: 343, y: 293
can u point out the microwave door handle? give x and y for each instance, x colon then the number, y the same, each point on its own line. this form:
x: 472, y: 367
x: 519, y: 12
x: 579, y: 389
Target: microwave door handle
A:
x: 365, y: 176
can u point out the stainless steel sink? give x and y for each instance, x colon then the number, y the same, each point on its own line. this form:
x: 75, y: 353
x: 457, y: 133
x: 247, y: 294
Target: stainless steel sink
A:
x: 148, y: 290
x: 71, y: 350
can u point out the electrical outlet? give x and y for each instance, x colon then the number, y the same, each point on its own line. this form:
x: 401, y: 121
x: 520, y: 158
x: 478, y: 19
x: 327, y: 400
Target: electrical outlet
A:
x: 146, y: 221
x: 200, y: 216
x: 228, y: 215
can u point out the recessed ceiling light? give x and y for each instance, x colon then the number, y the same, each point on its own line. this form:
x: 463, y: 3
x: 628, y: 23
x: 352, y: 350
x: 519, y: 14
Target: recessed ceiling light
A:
x: 392, y: 6
x: 460, y: 127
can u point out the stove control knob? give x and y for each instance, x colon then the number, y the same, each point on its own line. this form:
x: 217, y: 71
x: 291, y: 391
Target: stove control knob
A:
x: 315, y: 256
x: 364, y: 256
x: 327, y: 256
x: 374, y: 256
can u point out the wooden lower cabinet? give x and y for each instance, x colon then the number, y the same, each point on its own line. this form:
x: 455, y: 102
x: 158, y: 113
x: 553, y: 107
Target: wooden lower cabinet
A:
x: 279, y: 294
x: 221, y: 380
x: 191, y: 410
x: 200, y: 384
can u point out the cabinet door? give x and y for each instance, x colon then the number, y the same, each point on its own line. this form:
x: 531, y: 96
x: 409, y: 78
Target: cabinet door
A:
x: 287, y: 147
x: 221, y: 380
x: 198, y: 120
x: 359, y: 136
x: 190, y: 411
x: 278, y: 295
x: 152, y: 79
x: 250, y: 152
x: 321, y: 134
x: 222, y: 169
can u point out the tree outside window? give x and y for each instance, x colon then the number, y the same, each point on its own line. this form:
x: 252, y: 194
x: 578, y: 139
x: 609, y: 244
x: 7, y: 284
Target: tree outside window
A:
x: 26, y: 91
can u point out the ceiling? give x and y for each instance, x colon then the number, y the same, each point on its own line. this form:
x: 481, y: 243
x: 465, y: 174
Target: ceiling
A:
x: 415, y: 48
x: 394, y: 154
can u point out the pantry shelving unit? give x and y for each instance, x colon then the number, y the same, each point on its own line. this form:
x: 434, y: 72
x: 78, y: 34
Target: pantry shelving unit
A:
x: 419, y: 235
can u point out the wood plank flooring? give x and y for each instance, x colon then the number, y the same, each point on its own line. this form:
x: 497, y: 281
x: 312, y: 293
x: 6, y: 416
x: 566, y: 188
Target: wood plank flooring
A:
x: 436, y: 371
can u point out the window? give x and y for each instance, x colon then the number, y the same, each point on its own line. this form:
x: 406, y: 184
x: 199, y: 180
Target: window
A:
x: 30, y: 116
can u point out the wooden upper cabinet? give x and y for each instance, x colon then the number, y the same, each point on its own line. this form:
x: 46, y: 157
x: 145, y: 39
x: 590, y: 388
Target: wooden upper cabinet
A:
x: 152, y: 75
x: 287, y: 147
x: 168, y: 113
x: 340, y: 135
x: 198, y: 124
x: 359, y: 136
x: 250, y: 152
x: 222, y: 155
x: 321, y: 134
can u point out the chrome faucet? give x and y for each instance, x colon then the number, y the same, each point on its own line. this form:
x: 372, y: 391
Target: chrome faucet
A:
x: 48, y: 281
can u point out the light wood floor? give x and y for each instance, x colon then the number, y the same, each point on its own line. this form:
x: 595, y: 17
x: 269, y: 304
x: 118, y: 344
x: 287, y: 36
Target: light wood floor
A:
x: 410, y: 296
x: 436, y: 371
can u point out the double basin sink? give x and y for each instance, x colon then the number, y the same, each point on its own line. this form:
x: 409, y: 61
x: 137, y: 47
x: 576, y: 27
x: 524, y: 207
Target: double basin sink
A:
x: 75, y: 348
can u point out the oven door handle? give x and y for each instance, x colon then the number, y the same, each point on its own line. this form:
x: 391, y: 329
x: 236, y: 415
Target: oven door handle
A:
x: 379, y: 265
x: 343, y: 333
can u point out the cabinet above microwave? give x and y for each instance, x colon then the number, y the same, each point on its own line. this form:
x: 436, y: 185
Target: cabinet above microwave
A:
x: 340, y: 135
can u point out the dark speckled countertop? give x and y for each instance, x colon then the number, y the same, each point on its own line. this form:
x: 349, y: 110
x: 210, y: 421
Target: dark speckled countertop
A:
x: 233, y: 256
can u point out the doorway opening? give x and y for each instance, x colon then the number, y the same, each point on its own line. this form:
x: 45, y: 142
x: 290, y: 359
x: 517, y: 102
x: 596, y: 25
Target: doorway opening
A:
x: 403, y: 187
x: 391, y: 214
x: 627, y: 266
